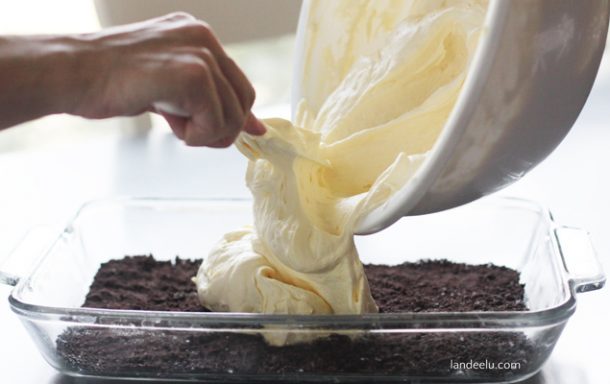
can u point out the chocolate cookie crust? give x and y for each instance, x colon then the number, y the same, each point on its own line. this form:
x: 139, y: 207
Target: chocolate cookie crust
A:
x: 142, y: 283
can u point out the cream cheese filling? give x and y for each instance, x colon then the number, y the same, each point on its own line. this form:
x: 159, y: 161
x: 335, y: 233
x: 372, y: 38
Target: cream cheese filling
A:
x: 382, y: 78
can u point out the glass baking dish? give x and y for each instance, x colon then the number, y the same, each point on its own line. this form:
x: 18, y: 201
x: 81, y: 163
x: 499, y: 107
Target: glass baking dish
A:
x: 555, y: 263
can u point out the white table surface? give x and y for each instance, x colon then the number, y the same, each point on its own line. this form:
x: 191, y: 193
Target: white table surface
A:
x: 45, y: 184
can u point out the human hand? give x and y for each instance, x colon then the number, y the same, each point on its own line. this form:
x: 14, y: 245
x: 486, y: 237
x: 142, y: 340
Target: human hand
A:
x: 174, y: 60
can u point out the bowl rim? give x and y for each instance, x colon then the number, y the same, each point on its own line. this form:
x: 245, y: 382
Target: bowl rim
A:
x: 409, y: 195
x: 377, y: 321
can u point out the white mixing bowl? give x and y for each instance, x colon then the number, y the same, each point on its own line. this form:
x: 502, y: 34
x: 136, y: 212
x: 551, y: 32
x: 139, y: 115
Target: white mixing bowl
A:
x: 531, y: 75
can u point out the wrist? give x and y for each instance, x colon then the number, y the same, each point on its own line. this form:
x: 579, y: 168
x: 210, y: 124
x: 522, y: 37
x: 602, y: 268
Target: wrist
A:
x: 89, y: 61
x: 69, y: 72
x: 39, y: 75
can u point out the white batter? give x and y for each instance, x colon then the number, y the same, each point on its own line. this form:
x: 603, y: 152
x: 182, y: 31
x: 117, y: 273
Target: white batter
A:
x: 382, y: 81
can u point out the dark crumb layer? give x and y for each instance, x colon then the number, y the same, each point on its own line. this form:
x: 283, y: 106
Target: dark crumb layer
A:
x: 140, y: 282
x: 442, y: 286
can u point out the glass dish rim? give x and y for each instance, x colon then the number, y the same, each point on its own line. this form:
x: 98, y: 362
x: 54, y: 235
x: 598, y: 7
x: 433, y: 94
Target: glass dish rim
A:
x: 417, y: 320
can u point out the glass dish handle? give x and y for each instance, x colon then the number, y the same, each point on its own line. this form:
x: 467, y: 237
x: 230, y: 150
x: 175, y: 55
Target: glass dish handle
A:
x: 31, y: 246
x: 579, y: 259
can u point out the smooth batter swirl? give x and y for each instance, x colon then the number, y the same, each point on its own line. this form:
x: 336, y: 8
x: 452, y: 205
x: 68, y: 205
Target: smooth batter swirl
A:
x: 387, y: 87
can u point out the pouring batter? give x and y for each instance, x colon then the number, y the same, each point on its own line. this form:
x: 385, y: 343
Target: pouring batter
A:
x: 391, y: 82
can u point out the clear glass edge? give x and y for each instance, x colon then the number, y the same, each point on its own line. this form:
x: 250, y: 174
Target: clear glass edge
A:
x: 447, y: 320
x: 508, y: 378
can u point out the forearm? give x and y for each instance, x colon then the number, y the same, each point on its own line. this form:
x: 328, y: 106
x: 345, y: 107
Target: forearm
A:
x: 125, y: 71
x: 37, y: 77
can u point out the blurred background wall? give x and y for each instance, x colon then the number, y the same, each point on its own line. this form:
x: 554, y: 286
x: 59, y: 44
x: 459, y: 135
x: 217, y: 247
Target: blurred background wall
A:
x: 233, y: 20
